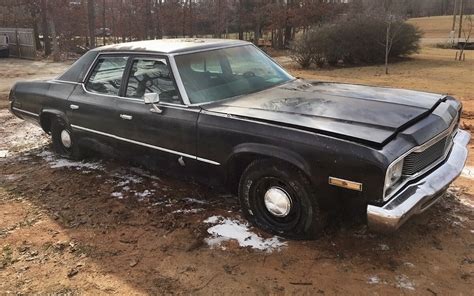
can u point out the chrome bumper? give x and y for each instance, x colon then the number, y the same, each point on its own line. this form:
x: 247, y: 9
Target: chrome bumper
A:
x: 420, y: 195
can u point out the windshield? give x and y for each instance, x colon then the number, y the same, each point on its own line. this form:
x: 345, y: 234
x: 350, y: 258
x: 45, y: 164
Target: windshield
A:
x: 220, y: 74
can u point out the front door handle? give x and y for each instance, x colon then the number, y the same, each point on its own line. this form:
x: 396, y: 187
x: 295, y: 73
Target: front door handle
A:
x: 126, y: 116
x: 73, y: 107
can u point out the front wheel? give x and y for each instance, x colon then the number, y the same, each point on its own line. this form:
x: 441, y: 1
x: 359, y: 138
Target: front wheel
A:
x: 64, y: 142
x: 279, y: 198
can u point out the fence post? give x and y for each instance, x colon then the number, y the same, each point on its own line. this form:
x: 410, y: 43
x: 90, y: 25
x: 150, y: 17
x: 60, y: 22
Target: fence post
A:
x: 17, y: 41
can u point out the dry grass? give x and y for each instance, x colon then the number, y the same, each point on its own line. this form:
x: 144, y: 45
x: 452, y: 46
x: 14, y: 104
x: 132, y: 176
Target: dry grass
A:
x: 435, y: 26
x: 432, y: 70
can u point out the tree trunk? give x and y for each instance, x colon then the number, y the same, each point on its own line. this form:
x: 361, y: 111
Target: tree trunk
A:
x: 387, y: 48
x: 103, y: 22
x: 44, y: 27
x: 36, y: 34
x: 256, y: 35
x: 461, y: 15
x: 159, y: 29
x: 239, y: 21
x: 56, y: 54
x: 91, y: 20
x: 288, y: 26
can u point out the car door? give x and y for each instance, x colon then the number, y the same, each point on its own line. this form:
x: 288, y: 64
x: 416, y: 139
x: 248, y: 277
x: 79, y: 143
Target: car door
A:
x: 169, y: 128
x: 92, y: 105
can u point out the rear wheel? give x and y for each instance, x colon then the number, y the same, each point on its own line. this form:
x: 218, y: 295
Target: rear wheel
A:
x: 279, y: 198
x: 64, y: 142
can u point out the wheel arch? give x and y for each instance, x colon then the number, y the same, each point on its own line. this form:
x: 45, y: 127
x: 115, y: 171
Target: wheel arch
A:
x: 244, y: 154
x: 48, y: 115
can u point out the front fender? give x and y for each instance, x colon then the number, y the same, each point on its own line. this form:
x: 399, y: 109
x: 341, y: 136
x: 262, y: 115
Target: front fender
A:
x: 266, y: 150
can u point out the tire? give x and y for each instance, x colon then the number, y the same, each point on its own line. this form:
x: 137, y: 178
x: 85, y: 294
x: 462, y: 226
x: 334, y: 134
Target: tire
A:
x: 60, y: 145
x: 264, y: 178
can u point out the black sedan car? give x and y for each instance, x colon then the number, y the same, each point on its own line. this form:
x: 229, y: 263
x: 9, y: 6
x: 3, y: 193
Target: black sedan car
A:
x: 293, y: 150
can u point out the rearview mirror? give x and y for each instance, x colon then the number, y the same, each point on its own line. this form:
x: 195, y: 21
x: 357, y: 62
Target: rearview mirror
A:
x: 151, y: 98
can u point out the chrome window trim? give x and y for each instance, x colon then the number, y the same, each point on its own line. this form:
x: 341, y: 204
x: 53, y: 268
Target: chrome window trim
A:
x: 420, y: 148
x: 64, y: 81
x: 146, y: 145
x: 140, y: 101
x: 26, y: 112
x: 91, y: 67
x: 172, y: 64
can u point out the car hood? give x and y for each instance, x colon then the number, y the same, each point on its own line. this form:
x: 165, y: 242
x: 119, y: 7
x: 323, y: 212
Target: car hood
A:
x: 372, y: 115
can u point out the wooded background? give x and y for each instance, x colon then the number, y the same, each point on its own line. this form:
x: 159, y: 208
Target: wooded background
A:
x: 76, y: 23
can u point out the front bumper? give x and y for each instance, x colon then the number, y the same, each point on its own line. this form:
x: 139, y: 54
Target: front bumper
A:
x: 421, y: 194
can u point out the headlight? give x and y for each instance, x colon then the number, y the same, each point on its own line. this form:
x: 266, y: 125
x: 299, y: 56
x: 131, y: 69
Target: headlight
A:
x: 394, y: 173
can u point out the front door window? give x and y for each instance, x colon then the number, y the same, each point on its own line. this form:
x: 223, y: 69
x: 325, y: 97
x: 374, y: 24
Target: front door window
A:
x: 152, y: 76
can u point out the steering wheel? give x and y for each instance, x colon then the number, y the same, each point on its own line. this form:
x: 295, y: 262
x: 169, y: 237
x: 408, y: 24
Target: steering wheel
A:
x: 249, y: 74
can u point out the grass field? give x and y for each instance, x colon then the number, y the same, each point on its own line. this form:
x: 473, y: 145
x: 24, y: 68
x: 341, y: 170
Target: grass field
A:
x: 435, y: 26
x: 436, y: 29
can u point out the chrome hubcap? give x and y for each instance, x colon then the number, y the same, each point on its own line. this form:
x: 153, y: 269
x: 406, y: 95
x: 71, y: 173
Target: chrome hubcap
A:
x: 277, y: 201
x: 66, y: 139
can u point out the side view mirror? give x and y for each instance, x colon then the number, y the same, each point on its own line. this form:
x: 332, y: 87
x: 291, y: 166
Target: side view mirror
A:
x: 151, y: 98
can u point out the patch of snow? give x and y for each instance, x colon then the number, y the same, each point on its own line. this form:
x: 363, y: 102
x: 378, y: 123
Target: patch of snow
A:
x: 56, y: 163
x: 383, y: 247
x: 403, y: 282
x: 213, y: 219
x: 194, y: 200
x: 373, y: 280
x: 190, y: 211
x: 144, y: 194
x: 229, y: 229
x: 128, y: 178
x: 145, y: 173
x: 118, y: 195
x: 468, y: 172
x: 3, y: 153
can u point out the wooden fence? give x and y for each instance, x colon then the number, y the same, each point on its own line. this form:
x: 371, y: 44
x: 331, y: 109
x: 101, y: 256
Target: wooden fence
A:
x: 21, y: 42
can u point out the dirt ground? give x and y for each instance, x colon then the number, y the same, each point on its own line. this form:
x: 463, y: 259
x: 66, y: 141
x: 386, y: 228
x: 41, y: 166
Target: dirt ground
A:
x: 107, y: 227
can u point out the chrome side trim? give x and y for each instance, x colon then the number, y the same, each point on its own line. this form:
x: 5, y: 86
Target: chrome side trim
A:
x: 145, y: 145
x: 208, y: 161
x: 140, y: 101
x: 26, y: 112
x: 420, y: 148
x: 419, y: 196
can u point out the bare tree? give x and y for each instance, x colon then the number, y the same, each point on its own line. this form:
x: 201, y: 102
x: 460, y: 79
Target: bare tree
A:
x: 91, y: 21
x: 461, y: 14
x: 467, y: 31
x: 394, y: 24
x: 44, y: 27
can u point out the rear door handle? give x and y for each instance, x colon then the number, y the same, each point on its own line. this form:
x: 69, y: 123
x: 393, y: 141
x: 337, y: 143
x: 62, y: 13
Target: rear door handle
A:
x: 126, y: 116
x: 73, y: 107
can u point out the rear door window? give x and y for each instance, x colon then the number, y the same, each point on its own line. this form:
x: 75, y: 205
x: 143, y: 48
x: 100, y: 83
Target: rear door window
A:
x: 106, y: 77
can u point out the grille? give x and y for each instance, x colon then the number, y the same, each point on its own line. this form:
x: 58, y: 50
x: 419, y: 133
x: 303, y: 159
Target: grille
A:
x: 418, y: 161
